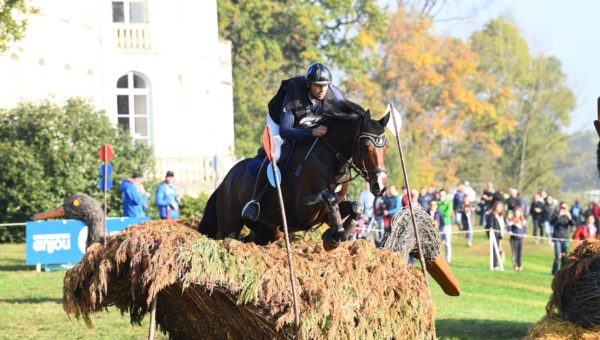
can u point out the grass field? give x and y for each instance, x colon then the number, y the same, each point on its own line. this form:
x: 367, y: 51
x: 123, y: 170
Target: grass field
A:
x: 493, y: 304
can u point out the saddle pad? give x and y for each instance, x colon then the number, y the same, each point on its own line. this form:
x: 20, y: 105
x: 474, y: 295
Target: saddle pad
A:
x: 253, y: 166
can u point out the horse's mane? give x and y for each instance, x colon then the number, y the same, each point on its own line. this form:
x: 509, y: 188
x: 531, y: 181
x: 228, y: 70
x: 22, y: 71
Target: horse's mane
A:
x: 342, y: 110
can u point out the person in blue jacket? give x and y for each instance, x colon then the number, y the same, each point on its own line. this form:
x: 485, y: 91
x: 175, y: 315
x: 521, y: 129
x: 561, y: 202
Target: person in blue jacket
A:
x: 167, y: 199
x: 135, y: 199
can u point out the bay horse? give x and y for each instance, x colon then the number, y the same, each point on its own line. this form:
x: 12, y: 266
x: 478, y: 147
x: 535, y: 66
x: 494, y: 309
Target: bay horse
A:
x: 353, y: 140
x: 317, y: 195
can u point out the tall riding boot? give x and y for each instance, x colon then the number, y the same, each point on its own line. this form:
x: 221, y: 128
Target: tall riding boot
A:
x: 251, y: 210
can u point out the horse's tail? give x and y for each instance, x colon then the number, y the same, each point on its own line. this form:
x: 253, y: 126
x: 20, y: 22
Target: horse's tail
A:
x: 208, y: 224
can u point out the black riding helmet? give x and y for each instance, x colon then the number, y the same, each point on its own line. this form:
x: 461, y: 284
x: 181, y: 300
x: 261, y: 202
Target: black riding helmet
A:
x: 319, y: 74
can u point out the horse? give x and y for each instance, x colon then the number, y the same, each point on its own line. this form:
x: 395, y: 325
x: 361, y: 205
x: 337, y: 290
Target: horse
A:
x: 315, y: 195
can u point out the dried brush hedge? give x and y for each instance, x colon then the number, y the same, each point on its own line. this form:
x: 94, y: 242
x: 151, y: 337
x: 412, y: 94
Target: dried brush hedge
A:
x: 573, y: 311
x: 555, y: 328
x: 228, y: 289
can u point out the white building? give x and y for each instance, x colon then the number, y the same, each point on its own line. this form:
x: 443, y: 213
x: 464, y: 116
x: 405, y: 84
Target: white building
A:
x: 156, y: 67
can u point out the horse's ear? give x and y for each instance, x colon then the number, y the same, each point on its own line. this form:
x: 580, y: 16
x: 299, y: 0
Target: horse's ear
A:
x: 367, y: 116
x: 384, y: 121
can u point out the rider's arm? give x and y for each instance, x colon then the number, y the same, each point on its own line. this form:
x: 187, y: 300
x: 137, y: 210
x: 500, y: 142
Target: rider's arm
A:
x: 286, y: 123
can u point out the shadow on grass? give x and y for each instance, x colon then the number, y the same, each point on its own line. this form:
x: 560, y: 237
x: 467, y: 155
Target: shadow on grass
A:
x: 31, y: 300
x: 15, y: 267
x: 480, y: 329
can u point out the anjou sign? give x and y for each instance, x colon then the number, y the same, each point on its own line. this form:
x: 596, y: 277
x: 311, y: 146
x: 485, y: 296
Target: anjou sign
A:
x: 63, y: 241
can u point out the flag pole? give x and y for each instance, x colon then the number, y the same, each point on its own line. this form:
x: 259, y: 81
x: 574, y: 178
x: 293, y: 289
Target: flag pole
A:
x: 412, y: 213
x: 271, y: 153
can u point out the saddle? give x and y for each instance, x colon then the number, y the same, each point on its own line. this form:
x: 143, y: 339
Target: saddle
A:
x: 287, y: 153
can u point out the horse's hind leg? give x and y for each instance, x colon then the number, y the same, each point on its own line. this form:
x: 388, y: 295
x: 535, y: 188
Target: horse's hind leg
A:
x: 229, y: 218
x: 262, y: 234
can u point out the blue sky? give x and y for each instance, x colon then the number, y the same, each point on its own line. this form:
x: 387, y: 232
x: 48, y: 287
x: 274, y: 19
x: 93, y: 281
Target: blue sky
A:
x: 568, y: 30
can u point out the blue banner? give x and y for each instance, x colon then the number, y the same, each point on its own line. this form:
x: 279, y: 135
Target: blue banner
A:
x: 63, y: 241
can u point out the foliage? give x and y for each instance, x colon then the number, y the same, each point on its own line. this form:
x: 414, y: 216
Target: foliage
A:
x: 276, y: 40
x: 193, y: 206
x: 49, y: 152
x: 434, y: 81
x: 13, y: 22
x: 539, y: 103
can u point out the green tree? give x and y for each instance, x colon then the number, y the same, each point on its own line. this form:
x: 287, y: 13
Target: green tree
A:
x: 539, y: 106
x: 49, y: 152
x: 276, y: 40
x: 13, y: 22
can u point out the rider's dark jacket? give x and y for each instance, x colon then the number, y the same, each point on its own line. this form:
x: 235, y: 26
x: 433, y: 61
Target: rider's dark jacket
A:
x: 291, y: 105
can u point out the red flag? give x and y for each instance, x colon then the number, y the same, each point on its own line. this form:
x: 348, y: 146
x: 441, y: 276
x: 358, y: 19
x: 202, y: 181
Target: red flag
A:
x: 268, y: 143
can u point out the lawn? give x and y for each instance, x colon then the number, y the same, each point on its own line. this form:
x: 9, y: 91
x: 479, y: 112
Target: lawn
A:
x: 493, y: 304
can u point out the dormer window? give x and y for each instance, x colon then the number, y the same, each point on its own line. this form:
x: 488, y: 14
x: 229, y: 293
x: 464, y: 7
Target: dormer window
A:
x: 129, y: 12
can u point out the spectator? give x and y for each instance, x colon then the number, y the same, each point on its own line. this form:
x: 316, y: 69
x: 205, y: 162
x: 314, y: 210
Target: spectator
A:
x: 517, y: 231
x: 445, y: 207
x: 458, y: 204
x: 576, y: 213
x: 404, y: 197
x: 467, y: 224
x: 379, y: 207
x: 167, y: 199
x: 549, y: 212
x: 414, y: 196
x: 499, y: 196
x: 135, y: 198
x: 392, y: 205
x: 513, y: 201
x: 496, y: 223
x: 596, y: 212
x: 487, y: 199
x: 469, y: 191
x: 367, y: 200
x: 591, y: 227
x: 425, y: 199
x: 536, y: 211
x: 436, y: 215
x: 585, y: 231
x: 561, y: 222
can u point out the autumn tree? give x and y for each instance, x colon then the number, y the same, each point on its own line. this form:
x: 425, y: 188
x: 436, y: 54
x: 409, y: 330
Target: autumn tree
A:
x: 449, y: 129
x: 276, y: 40
x: 539, y: 105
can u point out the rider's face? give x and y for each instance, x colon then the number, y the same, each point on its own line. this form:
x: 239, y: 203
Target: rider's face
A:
x: 318, y: 91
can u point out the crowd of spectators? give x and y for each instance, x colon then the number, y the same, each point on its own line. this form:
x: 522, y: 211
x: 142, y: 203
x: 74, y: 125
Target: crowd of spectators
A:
x: 506, y: 214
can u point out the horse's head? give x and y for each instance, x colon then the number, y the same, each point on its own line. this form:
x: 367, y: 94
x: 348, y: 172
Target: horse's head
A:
x: 370, y: 150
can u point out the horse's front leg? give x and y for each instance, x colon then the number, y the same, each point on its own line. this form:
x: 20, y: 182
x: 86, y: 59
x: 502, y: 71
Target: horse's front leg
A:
x: 350, y: 212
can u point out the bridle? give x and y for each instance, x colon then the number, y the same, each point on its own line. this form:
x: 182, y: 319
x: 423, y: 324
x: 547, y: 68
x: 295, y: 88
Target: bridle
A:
x: 379, y: 141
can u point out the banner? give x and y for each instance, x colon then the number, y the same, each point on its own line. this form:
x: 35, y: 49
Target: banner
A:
x: 63, y: 241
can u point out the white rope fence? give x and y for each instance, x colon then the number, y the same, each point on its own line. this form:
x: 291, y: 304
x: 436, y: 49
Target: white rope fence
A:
x: 11, y: 224
x: 483, y: 231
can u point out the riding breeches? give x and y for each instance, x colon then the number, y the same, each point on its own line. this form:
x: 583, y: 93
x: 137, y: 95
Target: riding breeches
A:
x: 276, y: 137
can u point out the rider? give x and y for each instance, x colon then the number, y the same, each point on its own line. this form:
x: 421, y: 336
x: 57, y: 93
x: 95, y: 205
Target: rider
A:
x: 293, y: 114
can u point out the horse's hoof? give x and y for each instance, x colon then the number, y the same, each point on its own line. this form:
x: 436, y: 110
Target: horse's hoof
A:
x: 330, y: 241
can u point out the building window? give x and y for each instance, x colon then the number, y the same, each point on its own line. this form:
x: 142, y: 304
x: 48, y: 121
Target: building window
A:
x: 130, y: 12
x: 133, y: 109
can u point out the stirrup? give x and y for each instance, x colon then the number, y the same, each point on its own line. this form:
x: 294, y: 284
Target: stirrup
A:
x: 251, y: 210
